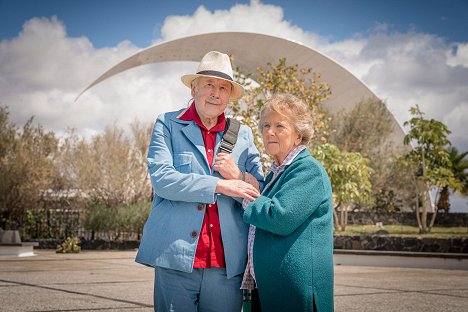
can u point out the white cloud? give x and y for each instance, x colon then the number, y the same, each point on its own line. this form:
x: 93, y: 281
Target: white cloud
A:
x: 458, y: 56
x: 43, y: 69
x: 254, y: 17
x: 412, y: 68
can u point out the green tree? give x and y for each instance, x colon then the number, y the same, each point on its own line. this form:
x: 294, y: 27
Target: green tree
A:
x: 428, y: 162
x: 364, y: 129
x: 367, y: 129
x: 350, y: 178
x: 349, y: 172
x: 282, y: 78
x: 459, y: 167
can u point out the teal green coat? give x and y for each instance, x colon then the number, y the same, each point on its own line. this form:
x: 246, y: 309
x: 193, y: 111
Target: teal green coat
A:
x: 293, y: 247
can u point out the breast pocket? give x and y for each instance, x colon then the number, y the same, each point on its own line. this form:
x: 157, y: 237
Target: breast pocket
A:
x: 183, y: 162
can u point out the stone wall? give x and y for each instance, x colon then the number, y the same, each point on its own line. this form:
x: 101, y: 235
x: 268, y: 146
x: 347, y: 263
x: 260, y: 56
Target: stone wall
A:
x: 98, y: 244
x: 356, y: 242
x: 412, y: 244
x: 406, y: 218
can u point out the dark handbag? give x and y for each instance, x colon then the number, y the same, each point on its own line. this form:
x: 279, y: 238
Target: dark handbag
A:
x: 251, y: 301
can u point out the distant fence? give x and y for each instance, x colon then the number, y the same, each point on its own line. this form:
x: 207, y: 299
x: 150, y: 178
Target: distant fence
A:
x: 60, y: 223
x: 406, y: 218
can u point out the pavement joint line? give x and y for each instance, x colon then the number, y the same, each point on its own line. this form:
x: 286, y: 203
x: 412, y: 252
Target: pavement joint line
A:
x: 369, y: 294
x: 29, y: 259
x: 410, y: 254
x: 91, y: 283
x: 439, y: 294
x: 61, y: 270
x: 392, y: 291
x: 91, y: 309
x: 116, y: 265
x: 78, y: 293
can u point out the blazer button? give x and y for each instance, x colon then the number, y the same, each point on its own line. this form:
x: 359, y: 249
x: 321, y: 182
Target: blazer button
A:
x: 194, y: 234
x: 200, y: 207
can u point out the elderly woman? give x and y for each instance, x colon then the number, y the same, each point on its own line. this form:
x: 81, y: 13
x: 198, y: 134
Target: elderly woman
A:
x: 290, y: 258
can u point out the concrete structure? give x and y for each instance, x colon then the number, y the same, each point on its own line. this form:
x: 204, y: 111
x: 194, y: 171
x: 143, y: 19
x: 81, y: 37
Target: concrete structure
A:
x: 11, y: 245
x: 252, y: 50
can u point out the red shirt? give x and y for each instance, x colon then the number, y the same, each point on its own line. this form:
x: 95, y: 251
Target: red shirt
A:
x: 210, y: 251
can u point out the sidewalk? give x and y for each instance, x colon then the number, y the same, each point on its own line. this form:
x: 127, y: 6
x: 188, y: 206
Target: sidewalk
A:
x: 112, y: 281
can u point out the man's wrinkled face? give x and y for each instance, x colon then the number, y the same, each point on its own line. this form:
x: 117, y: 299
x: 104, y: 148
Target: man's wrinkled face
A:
x: 211, y: 96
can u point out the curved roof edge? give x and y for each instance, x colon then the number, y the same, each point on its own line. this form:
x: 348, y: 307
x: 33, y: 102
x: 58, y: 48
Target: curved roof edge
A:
x: 347, y: 89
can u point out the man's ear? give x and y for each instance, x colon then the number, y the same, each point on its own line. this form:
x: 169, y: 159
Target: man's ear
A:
x: 192, y: 89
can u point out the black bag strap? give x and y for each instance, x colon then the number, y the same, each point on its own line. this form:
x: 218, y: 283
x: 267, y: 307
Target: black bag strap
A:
x: 229, y: 139
x: 230, y: 135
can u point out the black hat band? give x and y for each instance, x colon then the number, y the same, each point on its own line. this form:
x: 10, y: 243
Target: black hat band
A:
x: 215, y: 73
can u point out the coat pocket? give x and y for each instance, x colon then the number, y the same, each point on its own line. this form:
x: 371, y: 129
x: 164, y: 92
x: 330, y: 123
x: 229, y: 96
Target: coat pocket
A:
x: 183, y: 162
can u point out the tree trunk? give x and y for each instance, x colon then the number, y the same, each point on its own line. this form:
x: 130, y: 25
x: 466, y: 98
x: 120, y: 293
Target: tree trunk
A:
x: 342, y: 219
x: 335, y: 217
x: 444, y: 202
x: 417, y: 213
x: 345, y: 219
x: 424, y: 213
x: 424, y: 194
x: 431, y: 224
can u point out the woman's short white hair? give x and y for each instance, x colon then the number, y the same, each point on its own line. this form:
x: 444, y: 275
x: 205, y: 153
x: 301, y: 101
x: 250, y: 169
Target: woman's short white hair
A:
x: 295, y: 109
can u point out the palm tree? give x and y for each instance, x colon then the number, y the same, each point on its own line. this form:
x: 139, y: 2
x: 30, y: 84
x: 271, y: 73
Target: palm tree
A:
x: 459, y: 168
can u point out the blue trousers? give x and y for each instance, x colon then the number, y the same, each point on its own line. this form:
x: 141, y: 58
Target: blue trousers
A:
x: 203, y: 290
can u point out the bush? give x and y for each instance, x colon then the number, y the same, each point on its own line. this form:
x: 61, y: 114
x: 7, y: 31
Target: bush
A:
x: 69, y: 245
x: 125, y: 218
x: 131, y: 218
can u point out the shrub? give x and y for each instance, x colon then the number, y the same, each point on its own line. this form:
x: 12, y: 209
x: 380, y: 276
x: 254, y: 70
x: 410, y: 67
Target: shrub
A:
x: 69, y: 245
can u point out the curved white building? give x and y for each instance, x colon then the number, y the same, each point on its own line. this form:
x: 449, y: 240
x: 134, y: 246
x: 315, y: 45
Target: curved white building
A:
x: 251, y: 50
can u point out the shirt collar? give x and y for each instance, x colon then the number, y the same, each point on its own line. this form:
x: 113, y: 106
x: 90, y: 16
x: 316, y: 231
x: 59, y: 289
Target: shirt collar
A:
x: 192, y: 114
x: 275, y: 168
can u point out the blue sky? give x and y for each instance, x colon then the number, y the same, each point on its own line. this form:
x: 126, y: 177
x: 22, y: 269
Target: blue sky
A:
x: 108, y: 22
x: 407, y: 52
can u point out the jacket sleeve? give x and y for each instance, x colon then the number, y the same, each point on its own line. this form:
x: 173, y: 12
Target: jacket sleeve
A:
x: 301, y: 193
x: 253, y: 165
x: 169, y: 183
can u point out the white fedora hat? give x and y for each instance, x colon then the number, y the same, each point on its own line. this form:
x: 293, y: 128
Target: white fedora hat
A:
x: 217, y: 65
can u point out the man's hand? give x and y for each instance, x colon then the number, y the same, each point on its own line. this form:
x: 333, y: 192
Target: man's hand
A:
x: 237, y: 188
x: 226, y: 167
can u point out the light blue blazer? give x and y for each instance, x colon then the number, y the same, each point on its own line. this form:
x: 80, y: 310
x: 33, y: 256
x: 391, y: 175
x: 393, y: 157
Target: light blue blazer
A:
x: 182, y: 180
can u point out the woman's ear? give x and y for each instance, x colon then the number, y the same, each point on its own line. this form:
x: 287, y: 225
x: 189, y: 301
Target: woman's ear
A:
x: 298, y: 140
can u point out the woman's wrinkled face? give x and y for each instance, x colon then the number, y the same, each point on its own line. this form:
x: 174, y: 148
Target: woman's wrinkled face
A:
x: 211, y: 96
x: 279, y: 135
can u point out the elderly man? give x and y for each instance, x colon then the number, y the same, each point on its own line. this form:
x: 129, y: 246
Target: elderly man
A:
x: 195, y: 237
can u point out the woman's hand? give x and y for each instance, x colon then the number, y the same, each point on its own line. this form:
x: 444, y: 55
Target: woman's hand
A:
x: 252, y: 181
x: 226, y: 167
x: 237, y: 188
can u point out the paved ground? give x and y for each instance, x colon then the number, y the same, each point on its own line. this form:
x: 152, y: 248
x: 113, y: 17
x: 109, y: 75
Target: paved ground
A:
x: 111, y: 281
